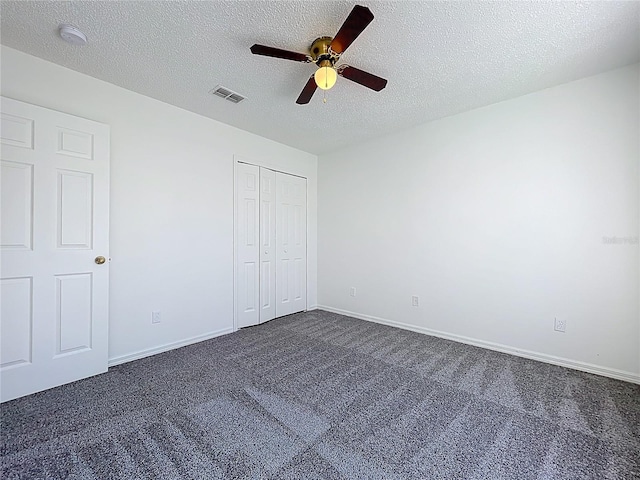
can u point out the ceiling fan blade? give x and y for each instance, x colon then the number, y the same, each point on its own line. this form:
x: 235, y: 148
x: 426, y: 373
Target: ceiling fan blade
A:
x: 307, y: 92
x: 363, y: 78
x: 279, y: 53
x: 353, y: 26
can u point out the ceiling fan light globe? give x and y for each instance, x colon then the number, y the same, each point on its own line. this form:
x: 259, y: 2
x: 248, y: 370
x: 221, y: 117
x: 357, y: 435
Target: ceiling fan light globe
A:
x: 325, y: 77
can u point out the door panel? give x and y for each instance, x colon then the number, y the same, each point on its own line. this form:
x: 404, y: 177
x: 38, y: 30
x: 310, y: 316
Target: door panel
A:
x: 247, y: 245
x: 17, y: 305
x: 16, y: 203
x: 75, y: 222
x: 267, y: 244
x: 55, y: 221
x: 73, y: 312
x: 16, y: 131
x: 291, y: 243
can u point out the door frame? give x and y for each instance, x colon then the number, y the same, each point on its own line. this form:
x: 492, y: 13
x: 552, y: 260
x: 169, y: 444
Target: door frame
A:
x: 237, y: 159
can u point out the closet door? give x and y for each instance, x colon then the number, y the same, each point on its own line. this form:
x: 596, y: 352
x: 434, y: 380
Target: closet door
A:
x: 247, y: 245
x: 291, y: 244
x: 271, y: 244
x: 267, y: 244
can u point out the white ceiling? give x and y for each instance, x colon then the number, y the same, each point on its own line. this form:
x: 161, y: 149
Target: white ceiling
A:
x: 440, y: 58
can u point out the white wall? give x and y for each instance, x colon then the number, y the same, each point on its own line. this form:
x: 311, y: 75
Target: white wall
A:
x: 495, y: 218
x: 171, y: 203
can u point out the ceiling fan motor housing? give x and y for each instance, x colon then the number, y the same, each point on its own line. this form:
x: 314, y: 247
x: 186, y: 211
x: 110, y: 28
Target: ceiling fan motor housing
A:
x: 321, y: 53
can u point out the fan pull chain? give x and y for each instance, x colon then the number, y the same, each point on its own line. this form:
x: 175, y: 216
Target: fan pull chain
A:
x: 324, y: 96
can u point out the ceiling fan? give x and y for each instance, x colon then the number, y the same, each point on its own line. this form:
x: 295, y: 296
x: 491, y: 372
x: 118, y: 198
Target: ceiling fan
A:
x: 325, y: 53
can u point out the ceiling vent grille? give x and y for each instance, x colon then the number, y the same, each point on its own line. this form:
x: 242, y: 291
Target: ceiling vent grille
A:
x: 230, y: 95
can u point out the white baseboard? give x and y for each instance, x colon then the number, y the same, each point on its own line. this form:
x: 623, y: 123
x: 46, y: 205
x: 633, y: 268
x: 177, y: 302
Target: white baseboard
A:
x: 166, y: 347
x: 541, y: 357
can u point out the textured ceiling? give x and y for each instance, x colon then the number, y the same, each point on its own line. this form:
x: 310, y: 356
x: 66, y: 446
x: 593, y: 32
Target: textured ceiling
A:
x: 440, y: 58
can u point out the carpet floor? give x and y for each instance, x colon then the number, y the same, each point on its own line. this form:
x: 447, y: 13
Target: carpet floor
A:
x: 322, y: 396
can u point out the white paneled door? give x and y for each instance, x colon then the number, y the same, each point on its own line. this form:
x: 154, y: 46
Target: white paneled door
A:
x: 271, y: 244
x: 267, y: 245
x: 291, y: 244
x: 54, y: 295
x: 247, y: 245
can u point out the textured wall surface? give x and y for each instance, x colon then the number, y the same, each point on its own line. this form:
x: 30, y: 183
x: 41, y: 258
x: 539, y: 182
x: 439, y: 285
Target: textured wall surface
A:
x: 441, y: 58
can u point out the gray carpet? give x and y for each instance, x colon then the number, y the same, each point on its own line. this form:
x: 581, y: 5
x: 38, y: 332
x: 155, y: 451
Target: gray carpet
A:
x: 322, y: 396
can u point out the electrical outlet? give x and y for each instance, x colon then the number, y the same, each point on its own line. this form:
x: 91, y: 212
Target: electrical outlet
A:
x: 352, y: 292
x: 560, y: 325
x: 155, y: 317
x: 415, y: 301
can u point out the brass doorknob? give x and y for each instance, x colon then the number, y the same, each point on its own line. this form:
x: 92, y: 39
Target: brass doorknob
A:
x: 100, y: 260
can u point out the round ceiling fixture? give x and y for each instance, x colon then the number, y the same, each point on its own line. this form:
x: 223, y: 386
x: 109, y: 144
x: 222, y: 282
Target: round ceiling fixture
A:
x: 71, y: 34
x: 326, y: 77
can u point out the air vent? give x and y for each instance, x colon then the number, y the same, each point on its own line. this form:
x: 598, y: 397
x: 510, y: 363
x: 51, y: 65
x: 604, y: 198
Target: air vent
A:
x: 224, y: 92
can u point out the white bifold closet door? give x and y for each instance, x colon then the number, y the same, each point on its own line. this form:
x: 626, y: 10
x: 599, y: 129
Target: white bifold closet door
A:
x: 247, y: 243
x: 271, y: 244
x: 291, y: 244
x: 267, y: 251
